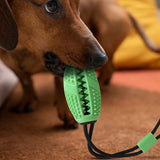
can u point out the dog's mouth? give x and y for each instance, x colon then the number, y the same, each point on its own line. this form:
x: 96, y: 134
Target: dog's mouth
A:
x: 54, y: 64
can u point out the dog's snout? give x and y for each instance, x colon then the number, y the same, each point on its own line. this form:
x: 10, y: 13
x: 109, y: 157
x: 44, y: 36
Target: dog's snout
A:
x: 96, y: 56
x: 97, y: 59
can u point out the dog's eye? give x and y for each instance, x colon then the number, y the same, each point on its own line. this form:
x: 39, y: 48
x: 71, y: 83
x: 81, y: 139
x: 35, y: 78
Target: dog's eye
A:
x: 51, y: 6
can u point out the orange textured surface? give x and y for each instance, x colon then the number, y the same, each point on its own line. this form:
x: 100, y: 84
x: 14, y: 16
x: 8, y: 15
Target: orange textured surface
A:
x: 146, y: 80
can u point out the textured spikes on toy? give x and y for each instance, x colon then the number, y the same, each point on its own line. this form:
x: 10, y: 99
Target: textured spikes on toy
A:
x: 82, y: 93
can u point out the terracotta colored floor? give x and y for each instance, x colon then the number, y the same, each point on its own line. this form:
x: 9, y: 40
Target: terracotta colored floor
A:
x: 146, y: 80
x: 128, y: 114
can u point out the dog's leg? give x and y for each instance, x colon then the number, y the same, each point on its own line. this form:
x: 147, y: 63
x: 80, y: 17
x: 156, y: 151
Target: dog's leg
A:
x: 29, y: 99
x: 105, y: 74
x: 61, y: 105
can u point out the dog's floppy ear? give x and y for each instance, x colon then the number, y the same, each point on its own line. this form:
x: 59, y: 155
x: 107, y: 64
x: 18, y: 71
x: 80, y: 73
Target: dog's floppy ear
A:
x: 8, y: 27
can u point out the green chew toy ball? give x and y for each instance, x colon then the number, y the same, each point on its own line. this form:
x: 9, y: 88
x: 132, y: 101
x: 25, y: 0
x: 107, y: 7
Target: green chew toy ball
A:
x: 83, y: 96
x: 82, y: 93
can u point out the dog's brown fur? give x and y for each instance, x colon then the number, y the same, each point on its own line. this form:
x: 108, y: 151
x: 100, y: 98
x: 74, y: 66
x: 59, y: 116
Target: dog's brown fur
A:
x: 39, y: 32
x: 67, y: 37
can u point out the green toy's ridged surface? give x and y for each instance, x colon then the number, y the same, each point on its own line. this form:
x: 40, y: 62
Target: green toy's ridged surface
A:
x: 82, y: 93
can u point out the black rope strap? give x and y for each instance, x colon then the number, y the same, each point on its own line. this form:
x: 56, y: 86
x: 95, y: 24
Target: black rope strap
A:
x: 102, y: 155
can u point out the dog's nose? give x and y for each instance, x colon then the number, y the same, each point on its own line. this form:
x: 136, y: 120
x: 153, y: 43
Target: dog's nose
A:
x: 97, y: 59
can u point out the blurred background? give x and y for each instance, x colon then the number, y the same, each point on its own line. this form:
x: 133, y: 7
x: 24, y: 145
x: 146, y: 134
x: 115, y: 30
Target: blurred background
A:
x: 158, y: 5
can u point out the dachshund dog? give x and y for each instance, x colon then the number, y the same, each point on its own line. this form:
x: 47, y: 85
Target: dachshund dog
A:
x: 35, y: 34
x: 48, y: 34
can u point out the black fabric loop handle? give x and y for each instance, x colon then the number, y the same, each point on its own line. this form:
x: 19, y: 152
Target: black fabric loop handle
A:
x: 156, y: 127
x: 102, y: 155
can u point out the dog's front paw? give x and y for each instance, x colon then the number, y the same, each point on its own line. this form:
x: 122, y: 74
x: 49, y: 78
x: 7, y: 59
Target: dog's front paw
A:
x: 65, y: 115
x: 28, y: 109
x: 70, y: 124
x: 68, y: 119
x: 25, y: 107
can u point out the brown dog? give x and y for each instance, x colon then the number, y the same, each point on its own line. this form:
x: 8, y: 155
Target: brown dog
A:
x: 45, y: 33
x: 40, y: 33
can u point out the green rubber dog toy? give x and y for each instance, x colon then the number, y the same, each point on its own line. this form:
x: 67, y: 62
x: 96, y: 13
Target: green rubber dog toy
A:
x: 83, y: 97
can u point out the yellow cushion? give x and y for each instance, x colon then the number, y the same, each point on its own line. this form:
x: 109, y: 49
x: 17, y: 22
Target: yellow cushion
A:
x: 133, y: 53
